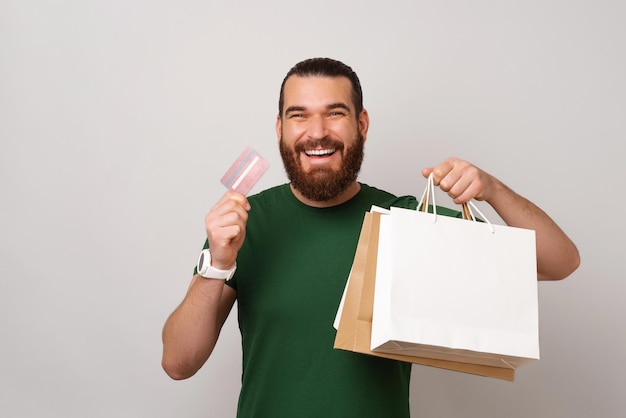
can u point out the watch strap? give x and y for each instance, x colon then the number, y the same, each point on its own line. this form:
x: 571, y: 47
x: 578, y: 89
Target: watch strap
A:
x: 206, y: 270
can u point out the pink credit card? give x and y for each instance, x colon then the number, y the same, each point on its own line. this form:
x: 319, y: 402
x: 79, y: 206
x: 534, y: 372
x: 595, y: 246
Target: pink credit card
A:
x: 245, y: 172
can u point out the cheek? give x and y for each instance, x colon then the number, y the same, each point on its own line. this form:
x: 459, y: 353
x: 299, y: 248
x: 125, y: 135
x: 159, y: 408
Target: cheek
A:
x: 290, y: 134
x: 347, y: 132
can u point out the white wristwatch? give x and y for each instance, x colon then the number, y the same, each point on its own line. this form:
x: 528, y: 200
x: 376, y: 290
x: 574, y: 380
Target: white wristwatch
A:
x: 206, y: 270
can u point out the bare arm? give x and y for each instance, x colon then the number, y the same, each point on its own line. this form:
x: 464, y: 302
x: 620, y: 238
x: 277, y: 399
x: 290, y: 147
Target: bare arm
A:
x: 557, y: 256
x: 191, y: 331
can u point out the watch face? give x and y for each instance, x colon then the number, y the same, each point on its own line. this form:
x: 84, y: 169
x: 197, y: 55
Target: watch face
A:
x: 201, y: 261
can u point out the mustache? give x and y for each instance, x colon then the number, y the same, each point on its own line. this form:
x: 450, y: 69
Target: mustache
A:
x: 326, y: 142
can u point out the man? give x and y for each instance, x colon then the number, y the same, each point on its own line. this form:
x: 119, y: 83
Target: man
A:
x: 290, y: 249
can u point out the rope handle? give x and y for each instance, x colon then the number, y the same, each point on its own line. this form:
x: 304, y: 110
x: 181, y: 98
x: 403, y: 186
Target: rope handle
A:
x: 466, y: 208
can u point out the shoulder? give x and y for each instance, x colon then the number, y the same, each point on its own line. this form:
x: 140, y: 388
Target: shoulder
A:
x: 375, y: 195
x: 269, y: 193
x: 269, y: 196
x: 386, y: 199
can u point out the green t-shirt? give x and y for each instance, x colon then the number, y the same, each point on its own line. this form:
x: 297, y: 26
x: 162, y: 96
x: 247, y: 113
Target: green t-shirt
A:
x: 291, y: 273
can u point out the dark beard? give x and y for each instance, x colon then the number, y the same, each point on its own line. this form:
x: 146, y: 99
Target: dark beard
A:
x: 321, y: 185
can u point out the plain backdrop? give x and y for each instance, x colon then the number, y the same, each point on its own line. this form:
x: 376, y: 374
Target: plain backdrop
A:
x: 118, y: 118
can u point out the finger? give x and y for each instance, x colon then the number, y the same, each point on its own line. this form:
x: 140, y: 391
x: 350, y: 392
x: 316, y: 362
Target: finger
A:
x: 224, y: 235
x: 238, y: 216
x: 443, y: 170
x: 216, y: 221
x: 469, y: 186
x: 225, y: 241
x: 228, y: 207
x: 446, y: 177
x: 231, y: 196
x: 462, y: 190
x: 471, y: 192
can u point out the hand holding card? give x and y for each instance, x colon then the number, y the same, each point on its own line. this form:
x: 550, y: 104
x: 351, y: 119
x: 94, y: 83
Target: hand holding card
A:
x: 245, y: 171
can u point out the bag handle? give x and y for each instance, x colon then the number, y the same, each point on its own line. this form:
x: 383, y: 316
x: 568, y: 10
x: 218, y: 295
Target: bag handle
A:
x: 466, y: 208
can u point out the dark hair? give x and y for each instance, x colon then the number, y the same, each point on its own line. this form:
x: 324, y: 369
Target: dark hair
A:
x: 324, y: 67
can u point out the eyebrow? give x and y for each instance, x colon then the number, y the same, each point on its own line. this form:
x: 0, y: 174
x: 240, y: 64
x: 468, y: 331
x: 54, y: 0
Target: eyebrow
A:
x: 292, y: 109
x: 338, y: 105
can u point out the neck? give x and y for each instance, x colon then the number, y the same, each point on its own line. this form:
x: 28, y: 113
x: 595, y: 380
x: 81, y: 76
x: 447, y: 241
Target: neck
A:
x: 343, y: 197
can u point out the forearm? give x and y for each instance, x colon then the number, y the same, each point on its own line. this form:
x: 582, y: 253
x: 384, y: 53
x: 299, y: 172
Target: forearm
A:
x: 192, y: 330
x: 557, y: 256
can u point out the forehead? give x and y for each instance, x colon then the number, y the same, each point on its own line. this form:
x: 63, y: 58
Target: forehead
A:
x: 312, y: 91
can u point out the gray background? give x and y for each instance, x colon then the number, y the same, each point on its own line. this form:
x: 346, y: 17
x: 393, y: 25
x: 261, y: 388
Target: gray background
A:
x: 118, y: 118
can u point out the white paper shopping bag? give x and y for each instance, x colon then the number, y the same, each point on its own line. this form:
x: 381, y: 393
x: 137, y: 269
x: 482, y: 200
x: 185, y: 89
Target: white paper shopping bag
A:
x: 354, y: 322
x: 458, y: 290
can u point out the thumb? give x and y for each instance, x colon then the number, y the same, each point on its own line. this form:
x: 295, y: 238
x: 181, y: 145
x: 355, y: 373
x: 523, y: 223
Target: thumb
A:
x: 426, y: 171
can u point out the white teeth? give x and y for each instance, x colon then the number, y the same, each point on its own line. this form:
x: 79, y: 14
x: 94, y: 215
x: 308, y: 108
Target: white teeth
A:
x: 319, y: 152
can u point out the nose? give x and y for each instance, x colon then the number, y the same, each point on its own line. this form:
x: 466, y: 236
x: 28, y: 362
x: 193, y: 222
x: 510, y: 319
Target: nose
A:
x: 317, y: 128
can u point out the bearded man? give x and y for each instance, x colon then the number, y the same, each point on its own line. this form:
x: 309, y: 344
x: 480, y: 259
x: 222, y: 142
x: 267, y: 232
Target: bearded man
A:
x: 284, y: 255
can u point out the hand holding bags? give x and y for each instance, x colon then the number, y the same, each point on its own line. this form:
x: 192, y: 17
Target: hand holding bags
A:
x: 448, y: 293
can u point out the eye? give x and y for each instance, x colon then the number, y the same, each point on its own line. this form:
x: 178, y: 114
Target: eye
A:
x: 336, y: 113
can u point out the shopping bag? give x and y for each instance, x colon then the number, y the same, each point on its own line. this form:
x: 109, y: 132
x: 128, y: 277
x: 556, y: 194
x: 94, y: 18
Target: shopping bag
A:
x: 354, y: 318
x: 457, y: 290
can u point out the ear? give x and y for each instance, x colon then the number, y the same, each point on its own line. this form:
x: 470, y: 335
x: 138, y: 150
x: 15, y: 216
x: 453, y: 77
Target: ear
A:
x: 364, y: 123
x: 279, y: 127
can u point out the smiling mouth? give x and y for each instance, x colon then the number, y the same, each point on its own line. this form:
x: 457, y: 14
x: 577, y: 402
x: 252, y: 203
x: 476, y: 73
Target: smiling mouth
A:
x: 319, y: 152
